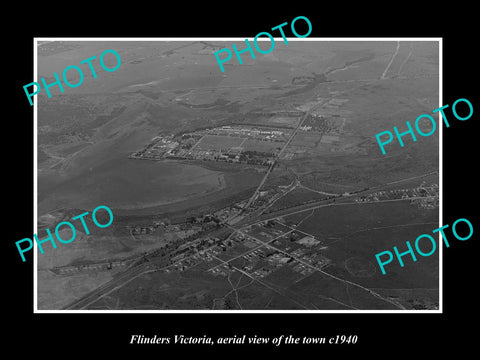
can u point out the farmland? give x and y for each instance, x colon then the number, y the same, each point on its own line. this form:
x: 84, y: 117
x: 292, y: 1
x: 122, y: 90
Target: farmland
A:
x: 260, y: 188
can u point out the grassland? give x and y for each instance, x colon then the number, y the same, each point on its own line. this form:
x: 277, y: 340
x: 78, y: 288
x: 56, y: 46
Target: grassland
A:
x: 168, y: 88
x: 218, y: 142
x: 362, y: 230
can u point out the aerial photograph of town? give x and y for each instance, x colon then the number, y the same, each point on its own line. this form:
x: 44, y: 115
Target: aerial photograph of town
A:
x: 258, y: 188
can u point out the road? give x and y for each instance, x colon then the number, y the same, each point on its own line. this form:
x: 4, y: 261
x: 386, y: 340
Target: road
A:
x: 316, y: 205
x: 269, y: 245
x: 122, y: 279
x: 391, y: 61
x: 132, y: 273
x: 108, y: 287
x: 254, y: 196
x: 335, y: 277
x: 277, y: 157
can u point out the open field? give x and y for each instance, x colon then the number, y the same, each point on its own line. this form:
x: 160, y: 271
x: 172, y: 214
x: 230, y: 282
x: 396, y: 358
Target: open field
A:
x: 211, y: 139
x: 210, y: 142
x: 363, y: 230
x: 190, y: 290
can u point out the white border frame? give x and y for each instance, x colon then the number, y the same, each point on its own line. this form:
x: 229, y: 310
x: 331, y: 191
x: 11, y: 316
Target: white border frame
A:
x: 35, y: 186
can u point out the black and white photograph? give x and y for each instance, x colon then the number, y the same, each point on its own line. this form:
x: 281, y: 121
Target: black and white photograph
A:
x: 219, y: 181
x: 261, y: 187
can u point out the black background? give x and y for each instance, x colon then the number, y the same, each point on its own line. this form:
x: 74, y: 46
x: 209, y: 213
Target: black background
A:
x: 385, y: 335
